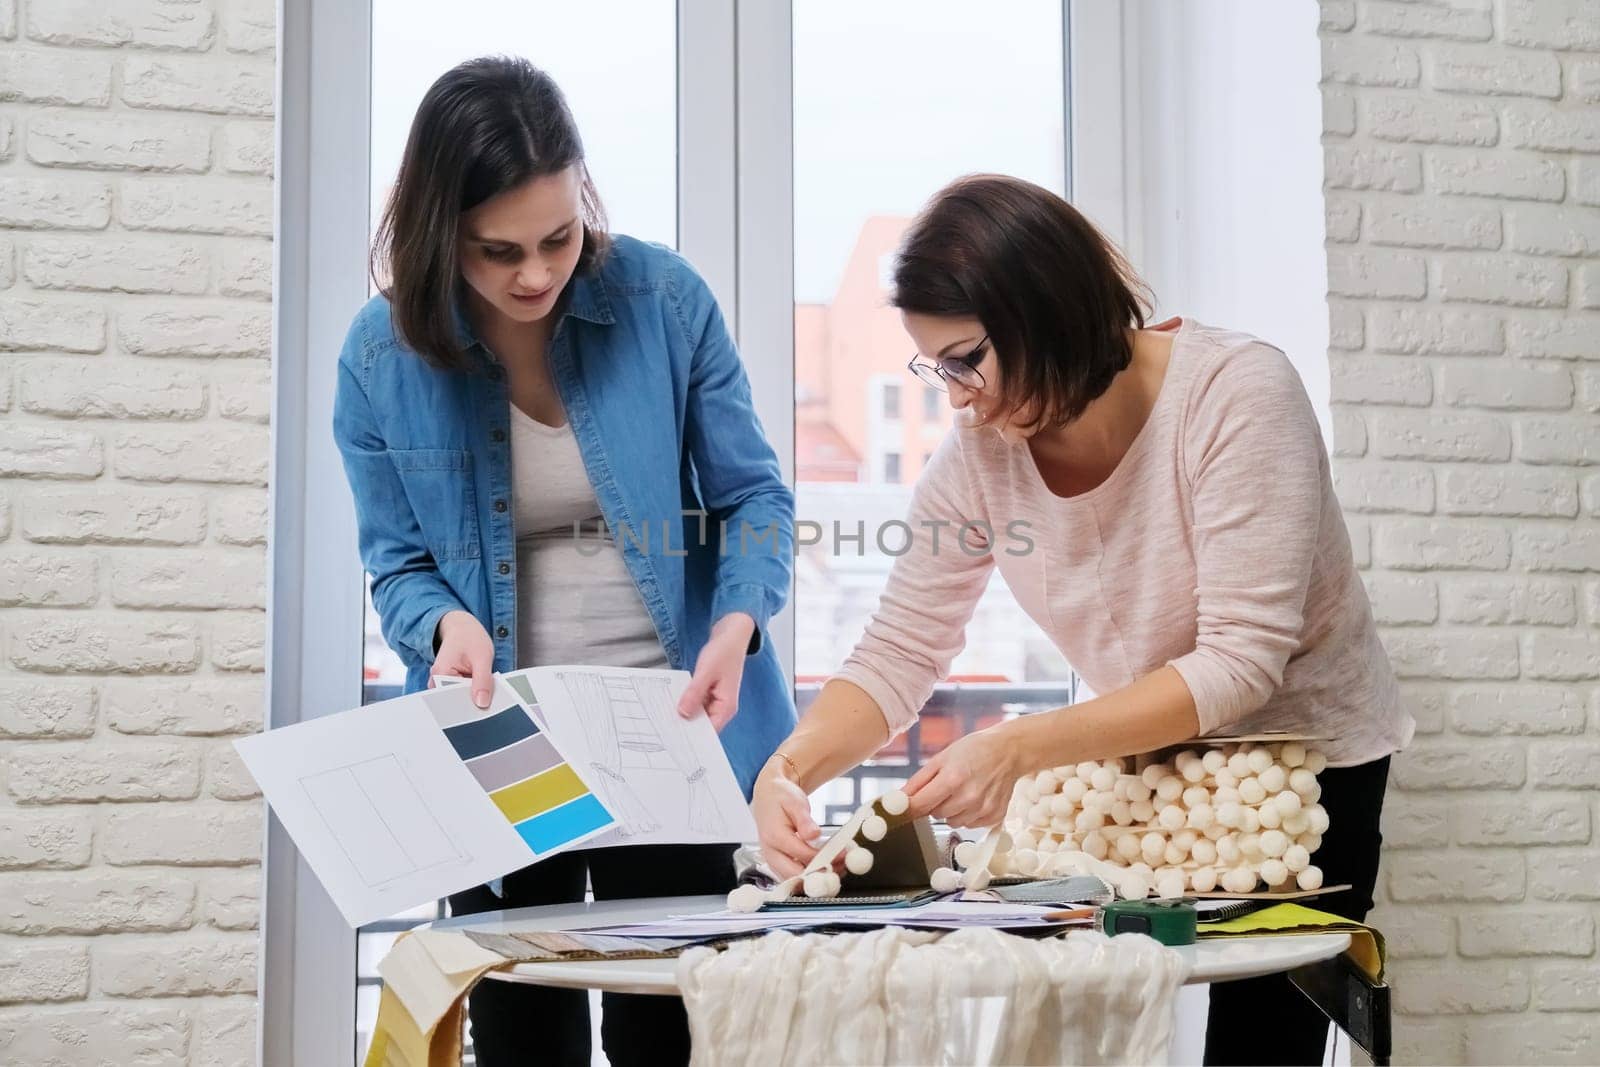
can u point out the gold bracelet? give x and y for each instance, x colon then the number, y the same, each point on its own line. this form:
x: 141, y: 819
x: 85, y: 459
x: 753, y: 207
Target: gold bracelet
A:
x: 793, y: 768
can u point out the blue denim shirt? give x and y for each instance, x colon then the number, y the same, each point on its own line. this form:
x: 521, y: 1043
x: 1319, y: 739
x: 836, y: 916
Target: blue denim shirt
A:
x: 660, y: 405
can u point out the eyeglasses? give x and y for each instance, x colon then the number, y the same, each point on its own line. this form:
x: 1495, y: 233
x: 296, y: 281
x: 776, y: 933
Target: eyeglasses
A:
x: 962, y: 370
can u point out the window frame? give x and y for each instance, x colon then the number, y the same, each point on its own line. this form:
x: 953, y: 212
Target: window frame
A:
x: 735, y: 222
x: 307, y: 983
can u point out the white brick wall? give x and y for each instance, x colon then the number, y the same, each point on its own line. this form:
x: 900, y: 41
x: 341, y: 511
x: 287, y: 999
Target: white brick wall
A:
x: 135, y: 323
x: 1463, y: 178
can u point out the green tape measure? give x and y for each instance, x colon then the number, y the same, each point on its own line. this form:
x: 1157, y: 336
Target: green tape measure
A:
x: 1170, y: 922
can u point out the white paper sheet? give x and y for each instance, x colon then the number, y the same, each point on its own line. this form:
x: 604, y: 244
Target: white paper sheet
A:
x: 943, y: 914
x: 938, y: 908
x: 665, y: 778
x: 385, y: 810
x: 692, y: 926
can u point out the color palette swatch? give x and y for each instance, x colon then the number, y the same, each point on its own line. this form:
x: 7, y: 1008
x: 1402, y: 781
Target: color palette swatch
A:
x: 518, y: 765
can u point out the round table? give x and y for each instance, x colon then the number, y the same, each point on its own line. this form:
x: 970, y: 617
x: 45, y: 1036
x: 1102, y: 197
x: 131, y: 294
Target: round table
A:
x: 1219, y: 960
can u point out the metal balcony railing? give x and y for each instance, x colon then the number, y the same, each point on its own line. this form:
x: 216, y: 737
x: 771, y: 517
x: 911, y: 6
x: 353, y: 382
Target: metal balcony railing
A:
x: 953, y: 711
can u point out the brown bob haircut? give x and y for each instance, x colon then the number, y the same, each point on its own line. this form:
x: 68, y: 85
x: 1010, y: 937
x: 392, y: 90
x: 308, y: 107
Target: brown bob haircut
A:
x: 484, y: 128
x: 1054, y: 294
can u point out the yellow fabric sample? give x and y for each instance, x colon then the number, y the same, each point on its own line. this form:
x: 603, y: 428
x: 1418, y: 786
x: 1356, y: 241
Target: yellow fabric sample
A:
x: 426, y: 976
x: 428, y: 973
x: 1366, y: 950
x: 427, y: 970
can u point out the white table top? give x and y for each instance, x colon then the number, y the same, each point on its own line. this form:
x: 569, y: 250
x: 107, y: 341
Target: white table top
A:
x: 1219, y: 960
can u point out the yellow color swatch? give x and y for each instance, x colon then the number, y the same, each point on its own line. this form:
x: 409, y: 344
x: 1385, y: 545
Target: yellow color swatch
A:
x: 540, y: 793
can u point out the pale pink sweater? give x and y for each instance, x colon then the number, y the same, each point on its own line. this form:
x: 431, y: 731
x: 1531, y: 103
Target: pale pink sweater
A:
x: 1216, y: 546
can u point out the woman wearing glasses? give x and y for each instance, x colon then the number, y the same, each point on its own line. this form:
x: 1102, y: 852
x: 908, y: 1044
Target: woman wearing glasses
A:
x: 1183, y: 548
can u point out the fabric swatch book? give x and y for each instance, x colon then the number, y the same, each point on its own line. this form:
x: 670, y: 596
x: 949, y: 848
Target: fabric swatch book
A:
x: 402, y: 802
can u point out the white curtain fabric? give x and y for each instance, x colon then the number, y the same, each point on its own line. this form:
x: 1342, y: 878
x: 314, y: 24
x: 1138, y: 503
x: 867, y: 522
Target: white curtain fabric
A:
x: 898, y: 996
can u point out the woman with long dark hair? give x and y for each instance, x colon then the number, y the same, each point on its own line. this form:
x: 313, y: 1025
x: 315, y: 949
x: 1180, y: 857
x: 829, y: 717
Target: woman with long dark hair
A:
x: 548, y: 431
x: 1158, y: 499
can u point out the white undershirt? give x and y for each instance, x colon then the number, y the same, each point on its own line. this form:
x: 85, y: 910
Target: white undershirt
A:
x: 576, y: 601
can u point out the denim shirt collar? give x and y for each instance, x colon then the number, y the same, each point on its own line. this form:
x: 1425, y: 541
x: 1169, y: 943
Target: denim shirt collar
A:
x: 585, y: 299
x: 589, y: 301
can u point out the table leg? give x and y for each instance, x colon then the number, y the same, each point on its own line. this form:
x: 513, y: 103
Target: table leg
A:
x: 1352, y: 1001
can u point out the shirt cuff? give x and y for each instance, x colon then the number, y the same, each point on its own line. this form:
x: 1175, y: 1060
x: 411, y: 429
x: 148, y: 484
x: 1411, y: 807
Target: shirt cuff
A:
x: 748, y: 598
x: 425, y: 640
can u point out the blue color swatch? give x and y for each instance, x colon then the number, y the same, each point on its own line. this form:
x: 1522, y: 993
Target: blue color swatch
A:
x: 487, y: 735
x: 558, y: 826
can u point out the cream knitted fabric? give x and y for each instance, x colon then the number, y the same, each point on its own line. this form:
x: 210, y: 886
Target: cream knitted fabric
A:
x: 897, y: 996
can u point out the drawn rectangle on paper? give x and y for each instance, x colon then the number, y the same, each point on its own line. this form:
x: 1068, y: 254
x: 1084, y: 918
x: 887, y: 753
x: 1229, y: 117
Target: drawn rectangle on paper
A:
x: 569, y: 822
x: 479, y: 738
x: 511, y: 764
x: 539, y: 794
x: 353, y: 801
x: 400, y: 803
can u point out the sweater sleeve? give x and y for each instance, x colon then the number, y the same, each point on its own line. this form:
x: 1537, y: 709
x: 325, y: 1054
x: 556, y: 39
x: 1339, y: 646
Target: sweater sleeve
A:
x: 1255, y: 462
x: 920, y: 624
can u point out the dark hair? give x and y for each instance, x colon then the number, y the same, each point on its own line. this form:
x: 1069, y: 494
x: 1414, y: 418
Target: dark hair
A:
x: 485, y: 127
x: 1054, y: 294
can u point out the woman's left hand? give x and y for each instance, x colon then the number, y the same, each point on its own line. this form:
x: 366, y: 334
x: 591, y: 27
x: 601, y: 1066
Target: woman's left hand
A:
x: 970, y: 782
x: 714, y: 688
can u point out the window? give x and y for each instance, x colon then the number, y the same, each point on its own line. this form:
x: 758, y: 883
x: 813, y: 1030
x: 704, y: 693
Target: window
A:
x: 892, y: 100
x: 630, y: 137
x: 691, y: 120
x: 886, y: 102
x: 629, y: 125
x: 630, y: 131
x: 891, y: 401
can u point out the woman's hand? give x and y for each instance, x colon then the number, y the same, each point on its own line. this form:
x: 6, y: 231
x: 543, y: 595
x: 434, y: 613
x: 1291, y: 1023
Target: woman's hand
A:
x: 783, y: 821
x: 465, y: 651
x: 714, y: 688
x: 969, y: 783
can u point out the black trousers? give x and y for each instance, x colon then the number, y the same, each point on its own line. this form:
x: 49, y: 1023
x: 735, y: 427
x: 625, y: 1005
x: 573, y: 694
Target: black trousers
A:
x: 522, y: 1025
x: 1267, y: 1020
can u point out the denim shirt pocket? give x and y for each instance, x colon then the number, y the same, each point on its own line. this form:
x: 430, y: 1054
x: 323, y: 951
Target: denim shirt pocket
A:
x: 439, y: 486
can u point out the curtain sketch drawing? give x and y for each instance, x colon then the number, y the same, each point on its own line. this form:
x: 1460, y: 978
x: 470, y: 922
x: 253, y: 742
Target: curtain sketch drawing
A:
x: 624, y: 719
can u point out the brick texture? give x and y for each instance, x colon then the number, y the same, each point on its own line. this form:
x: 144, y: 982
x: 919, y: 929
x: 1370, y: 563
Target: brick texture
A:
x: 1462, y: 147
x: 136, y: 220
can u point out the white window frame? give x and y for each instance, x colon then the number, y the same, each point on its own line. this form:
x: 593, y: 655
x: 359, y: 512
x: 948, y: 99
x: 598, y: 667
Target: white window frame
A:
x: 308, y: 953
x: 1103, y: 150
x: 735, y: 148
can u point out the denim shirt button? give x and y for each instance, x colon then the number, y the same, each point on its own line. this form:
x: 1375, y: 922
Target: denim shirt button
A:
x: 504, y: 568
x: 497, y: 435
x: 499, y: 505
x: 502, y: 632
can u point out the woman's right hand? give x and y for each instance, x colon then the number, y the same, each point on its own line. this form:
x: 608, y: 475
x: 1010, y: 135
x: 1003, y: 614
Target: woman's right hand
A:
x: 783, y: 820
x: 465, y: 651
